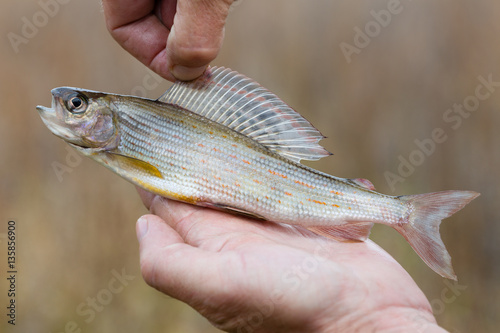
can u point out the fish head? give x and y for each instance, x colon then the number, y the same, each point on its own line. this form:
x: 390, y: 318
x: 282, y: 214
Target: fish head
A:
x: 81, y: 117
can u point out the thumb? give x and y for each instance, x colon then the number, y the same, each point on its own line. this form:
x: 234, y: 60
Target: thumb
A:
x: 172, y: 266
x: 196, y: 36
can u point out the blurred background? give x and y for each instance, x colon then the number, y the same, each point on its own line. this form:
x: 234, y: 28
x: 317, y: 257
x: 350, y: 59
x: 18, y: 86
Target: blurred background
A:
x: 376, y: 85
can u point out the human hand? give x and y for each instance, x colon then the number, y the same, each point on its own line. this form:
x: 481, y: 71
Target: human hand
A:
x: 251, y: 276
x: 175, y: 38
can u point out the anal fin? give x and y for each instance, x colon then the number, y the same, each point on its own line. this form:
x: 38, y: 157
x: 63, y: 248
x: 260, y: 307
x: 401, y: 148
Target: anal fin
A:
x: 358, y: 231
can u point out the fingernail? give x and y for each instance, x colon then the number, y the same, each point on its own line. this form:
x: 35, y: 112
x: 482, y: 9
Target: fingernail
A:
x: 142, y: 227
x: 187, y: 73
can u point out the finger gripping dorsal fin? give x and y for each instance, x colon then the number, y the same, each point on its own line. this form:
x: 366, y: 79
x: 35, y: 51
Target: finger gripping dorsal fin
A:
x: 235, y: 101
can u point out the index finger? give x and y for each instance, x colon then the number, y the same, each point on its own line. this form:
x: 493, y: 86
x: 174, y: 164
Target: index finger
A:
x: 122, y: 12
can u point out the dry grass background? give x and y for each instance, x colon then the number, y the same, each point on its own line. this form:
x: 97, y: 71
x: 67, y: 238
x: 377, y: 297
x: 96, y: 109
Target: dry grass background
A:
x: 73, y: 234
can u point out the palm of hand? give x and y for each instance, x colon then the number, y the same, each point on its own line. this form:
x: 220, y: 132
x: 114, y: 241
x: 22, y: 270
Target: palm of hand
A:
x: 248, y: 276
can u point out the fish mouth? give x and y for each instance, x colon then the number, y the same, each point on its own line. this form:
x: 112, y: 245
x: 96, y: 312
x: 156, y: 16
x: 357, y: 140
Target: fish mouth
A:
x: 57, y: 99
x: 48, y: 116
x: 52, y: 121
x: 45, y: 111
x: 42, y: 109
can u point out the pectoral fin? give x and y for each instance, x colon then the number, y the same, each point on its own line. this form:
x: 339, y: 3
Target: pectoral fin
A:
x: 131, y: 163
x: 351, y: 231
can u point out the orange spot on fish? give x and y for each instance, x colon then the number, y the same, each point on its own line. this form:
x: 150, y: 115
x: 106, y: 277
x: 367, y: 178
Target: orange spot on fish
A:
x: 210, y: 132
x: 201, y: 145
x: 335, y: 205
x: 316, y: 201
x: 183, y: 168
x: 279, y: 201
x: 194, y: 126
x: 215, y: 149
x: 257, y: 181
x: 349, y: 207
x: 234, y: 145
x: 287, y: 193
x: 304, y: 184
x: 233, y: 156
x: 277, y: 173
x: 203, y: 161
x: 224, y: 136
x: 337, y: 193
x: 218, y: 178
x: 245, y: 161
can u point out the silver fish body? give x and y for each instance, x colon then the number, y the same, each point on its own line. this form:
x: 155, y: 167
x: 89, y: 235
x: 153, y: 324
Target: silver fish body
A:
x: 224, y: 142
x: 205, y: 162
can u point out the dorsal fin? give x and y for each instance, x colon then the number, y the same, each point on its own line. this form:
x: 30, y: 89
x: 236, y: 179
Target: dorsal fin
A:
x: 233, y: 100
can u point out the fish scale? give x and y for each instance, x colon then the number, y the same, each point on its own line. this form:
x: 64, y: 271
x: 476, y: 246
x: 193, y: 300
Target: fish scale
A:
x: 223, y: 141
x: 278, y: 179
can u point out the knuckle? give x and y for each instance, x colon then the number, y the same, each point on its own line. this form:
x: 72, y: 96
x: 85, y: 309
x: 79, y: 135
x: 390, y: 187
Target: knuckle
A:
x: 147, y: 264
x: 195, y: 56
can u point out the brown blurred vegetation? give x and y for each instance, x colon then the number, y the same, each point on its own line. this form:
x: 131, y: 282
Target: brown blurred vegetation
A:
x: 73, y: 234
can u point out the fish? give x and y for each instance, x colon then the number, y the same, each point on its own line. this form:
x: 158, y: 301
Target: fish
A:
x: 223, y: 141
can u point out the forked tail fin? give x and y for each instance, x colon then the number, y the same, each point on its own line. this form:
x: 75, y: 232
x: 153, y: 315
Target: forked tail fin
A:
x: 421, y: 229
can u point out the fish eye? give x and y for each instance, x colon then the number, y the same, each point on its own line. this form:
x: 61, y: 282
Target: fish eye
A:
x: 77, y: 104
